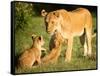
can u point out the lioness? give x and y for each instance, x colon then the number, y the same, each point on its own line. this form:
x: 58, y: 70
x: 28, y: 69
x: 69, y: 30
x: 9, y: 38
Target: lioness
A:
x: 69, y: 24
x: 33, y: 54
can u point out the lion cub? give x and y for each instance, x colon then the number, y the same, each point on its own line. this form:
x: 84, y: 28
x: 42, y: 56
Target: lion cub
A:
x: 30, y: 56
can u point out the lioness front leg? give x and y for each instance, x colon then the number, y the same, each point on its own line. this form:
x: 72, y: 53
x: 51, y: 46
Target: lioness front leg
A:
x: 39, y: 60
x: 69, y: 50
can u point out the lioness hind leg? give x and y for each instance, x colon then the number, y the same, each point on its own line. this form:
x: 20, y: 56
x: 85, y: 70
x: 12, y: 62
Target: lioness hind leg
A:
x: 84, y: 43
x: 89, y: 38
x: 85, y: 48
x: 88, y: 27
x: 69, y: 50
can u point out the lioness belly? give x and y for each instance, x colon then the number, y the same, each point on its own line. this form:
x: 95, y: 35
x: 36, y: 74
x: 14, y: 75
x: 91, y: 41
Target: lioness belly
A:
x: 78, y: 33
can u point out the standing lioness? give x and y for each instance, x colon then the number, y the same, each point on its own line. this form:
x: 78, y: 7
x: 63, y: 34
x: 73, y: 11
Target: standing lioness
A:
x: 70, y: 24
x: 30, y: 56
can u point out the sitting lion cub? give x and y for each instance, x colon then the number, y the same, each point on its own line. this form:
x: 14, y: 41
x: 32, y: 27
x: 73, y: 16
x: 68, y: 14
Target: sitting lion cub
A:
x: 30, y: 56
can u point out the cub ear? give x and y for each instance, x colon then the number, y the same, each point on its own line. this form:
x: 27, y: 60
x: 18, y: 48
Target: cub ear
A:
x: 40, y: 37
x: 43, y: 13
x: 33, y: 36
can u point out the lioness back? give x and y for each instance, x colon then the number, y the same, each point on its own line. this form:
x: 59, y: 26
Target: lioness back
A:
x: 75, y: 21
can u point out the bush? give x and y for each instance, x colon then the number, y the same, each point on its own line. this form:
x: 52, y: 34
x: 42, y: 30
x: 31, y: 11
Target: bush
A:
x: 23, y: 13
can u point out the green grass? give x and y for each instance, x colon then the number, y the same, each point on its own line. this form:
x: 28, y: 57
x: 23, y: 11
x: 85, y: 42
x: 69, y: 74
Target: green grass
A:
x: 36, y: 25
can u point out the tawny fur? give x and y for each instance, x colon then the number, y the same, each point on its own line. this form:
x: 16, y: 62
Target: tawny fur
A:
x: 69, y: 24
x: 30, y: 56
x: 55, y: 45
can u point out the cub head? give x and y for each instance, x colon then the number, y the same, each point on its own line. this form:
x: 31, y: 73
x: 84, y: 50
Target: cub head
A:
x: 52, y: 21
x: 38, y: 40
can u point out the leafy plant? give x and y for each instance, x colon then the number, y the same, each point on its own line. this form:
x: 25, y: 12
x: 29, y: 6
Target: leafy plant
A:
x: 23, y: 13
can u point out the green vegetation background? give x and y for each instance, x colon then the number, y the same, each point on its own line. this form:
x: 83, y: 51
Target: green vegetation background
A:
x: 29, y: 21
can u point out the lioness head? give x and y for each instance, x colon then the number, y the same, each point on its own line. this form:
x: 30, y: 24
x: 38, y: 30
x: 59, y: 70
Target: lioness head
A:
x: 38, y: 40
x: 51, y: 21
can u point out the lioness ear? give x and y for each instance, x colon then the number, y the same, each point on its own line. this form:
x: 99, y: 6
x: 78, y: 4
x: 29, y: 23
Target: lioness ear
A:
x: 43, y: 13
